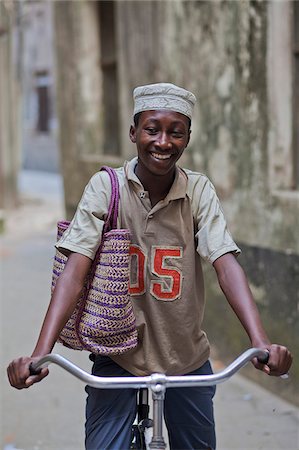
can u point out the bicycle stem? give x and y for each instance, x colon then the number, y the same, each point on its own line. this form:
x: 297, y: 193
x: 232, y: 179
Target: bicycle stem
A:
x: 158, y: 441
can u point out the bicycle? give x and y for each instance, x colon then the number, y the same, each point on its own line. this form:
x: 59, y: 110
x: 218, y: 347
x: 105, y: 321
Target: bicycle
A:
x: 156, y: 383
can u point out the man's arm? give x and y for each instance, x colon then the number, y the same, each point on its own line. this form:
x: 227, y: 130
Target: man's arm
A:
x: 234, y: 285
x: 63, y: 302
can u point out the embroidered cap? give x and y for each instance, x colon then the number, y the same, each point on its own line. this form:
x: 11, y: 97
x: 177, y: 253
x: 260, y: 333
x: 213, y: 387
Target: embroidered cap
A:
x: 163, y: 96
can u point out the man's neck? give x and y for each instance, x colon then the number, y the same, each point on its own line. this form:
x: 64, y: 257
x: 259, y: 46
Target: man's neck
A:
x: 157, y: 186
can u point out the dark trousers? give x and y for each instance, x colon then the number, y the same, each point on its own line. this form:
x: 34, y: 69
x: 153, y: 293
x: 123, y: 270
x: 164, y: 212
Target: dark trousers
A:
x: 110, y: 413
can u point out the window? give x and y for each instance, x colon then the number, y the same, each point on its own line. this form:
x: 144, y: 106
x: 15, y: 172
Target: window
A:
x: 43, y: 106
x: 109, y: 73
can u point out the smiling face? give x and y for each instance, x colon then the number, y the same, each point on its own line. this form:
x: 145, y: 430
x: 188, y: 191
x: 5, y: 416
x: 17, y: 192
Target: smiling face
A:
x: 160, y: 137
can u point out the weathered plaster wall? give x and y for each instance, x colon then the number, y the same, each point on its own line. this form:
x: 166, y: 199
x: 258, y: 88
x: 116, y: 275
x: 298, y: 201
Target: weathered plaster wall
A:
x: 80, y: 96
x: 219, y: 51
x: 10, y: 108
x: 223, y: 51
x: 280, y: 93
x: 274, y: 281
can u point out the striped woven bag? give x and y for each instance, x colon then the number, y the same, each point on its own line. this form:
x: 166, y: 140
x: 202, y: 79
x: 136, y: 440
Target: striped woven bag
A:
x: 103, y: 321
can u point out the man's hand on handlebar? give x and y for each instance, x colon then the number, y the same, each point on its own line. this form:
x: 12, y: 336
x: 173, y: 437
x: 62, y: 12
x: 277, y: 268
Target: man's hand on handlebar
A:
x: 279, y: 362
x: 19, y: 374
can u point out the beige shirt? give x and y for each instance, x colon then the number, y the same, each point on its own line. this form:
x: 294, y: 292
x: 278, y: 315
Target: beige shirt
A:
x: 168, y: 242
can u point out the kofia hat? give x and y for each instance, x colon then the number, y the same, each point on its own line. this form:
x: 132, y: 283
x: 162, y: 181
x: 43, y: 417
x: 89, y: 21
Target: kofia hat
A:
x: 163, y: 96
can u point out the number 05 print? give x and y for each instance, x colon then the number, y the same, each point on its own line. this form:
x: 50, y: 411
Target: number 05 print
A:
x: 169, y: 286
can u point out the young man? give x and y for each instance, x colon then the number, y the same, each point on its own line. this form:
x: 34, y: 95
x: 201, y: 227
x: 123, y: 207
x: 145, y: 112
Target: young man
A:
x: 175, y: 219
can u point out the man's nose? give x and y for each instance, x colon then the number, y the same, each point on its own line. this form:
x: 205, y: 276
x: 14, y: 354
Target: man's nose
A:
x: 163, y: 141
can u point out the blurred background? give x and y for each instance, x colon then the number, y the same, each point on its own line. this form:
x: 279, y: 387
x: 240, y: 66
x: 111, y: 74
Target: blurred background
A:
x: 67, y: 71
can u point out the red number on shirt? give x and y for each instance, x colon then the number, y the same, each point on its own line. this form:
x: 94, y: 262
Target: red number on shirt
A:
x: 137, y: 285
x: 172, y: 273
x: 171, y: 276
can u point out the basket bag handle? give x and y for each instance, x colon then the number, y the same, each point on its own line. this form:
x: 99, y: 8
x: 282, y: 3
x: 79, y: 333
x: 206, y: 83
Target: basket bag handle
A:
x: 110, y: 222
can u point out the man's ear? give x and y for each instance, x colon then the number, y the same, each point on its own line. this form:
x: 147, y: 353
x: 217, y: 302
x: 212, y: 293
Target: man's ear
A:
x: 132, y: 134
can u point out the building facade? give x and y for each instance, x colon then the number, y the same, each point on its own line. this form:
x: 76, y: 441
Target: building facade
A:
x: 241, y: 61
x: 10, y: 107
x: 39, y: 120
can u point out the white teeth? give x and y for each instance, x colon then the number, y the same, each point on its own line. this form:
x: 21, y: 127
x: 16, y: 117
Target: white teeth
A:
x: 159, y: 156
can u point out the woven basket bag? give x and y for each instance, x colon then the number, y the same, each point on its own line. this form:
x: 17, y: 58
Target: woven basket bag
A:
x: 103, y: 321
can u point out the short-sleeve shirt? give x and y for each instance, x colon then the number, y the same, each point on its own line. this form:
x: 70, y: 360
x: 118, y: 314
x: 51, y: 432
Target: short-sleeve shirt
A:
x: 166, y: 280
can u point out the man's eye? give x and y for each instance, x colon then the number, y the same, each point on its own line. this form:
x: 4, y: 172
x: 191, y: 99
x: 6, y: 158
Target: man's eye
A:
x: 151, y: 130
x: 177, y: 134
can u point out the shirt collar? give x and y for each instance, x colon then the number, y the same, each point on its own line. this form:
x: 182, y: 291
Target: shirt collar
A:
x: 177, y: 190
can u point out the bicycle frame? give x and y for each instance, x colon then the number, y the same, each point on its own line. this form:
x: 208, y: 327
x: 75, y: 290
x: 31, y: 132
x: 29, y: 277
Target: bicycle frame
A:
x: 157, y: 383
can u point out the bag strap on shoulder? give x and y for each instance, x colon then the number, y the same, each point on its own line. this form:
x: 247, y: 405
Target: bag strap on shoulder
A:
x: 111, y: 220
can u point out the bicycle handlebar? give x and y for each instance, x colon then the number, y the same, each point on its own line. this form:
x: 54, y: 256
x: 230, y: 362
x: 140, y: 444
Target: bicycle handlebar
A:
x: 157, y: 381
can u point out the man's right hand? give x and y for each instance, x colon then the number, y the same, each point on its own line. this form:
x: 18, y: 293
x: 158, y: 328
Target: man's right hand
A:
x: 19, y: 375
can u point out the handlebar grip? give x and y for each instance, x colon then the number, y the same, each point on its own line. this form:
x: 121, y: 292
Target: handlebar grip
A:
x: 265, y: 358
x: 32, y: 369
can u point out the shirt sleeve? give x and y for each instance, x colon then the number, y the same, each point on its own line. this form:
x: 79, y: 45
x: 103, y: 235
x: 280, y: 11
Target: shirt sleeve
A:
x: 213, y: 238
x: 85, y: 230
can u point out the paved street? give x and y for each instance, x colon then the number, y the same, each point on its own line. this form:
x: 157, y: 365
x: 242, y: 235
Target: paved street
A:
x: 50, y: 416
